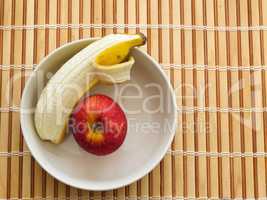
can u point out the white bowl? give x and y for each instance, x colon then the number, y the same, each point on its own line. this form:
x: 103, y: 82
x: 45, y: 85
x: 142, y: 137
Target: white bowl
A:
x: 149, y: 103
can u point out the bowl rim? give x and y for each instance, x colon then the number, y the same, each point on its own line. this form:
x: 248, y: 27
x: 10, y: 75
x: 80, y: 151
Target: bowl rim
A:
x: 103, y: 187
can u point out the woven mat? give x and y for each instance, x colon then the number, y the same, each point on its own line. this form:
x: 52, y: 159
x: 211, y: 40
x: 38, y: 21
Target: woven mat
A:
x: 214, y: 53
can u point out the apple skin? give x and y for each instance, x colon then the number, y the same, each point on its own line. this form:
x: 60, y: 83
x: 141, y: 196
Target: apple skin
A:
x: 98, y: 124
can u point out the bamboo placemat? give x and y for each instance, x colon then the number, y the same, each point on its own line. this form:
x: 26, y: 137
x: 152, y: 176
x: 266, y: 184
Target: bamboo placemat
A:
x: 213, y: 51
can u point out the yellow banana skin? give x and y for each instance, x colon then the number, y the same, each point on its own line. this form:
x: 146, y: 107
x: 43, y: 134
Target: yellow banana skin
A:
x: 104, y: 60
x: 118, y: 52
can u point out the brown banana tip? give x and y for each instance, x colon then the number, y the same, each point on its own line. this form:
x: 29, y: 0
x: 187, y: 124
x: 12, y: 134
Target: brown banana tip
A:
x: 143, y: 38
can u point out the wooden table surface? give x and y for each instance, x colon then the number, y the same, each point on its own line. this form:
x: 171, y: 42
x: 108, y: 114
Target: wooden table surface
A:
x: 214, y: 53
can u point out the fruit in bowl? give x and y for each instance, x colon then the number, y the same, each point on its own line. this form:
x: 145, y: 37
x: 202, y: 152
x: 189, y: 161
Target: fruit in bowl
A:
x: 105, y: 60
x: 123, y: 166
x: 98, y: 124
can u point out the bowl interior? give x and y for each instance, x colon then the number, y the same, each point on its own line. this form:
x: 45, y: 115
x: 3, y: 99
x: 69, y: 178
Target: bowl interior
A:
x: 149, y: 105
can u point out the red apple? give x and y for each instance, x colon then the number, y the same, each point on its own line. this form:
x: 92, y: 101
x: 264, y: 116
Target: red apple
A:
x: 98, y: 124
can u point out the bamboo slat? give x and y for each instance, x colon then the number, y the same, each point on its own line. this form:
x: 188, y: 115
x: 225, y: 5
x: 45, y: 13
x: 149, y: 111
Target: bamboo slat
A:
x: 199, y: 100
x: 5, y: 101
x: 212, y: 143
x: 247, y: 132
x: 175, y: 57
x: 214, y: 154
x: 16, y: 84
x: 188, y: 99
x: 234, y: 126
x: 258, y: 130
x: 263, y: 19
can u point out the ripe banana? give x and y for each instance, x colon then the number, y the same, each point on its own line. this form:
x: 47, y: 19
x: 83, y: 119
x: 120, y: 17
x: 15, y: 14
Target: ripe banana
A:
x: 104, y: 60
